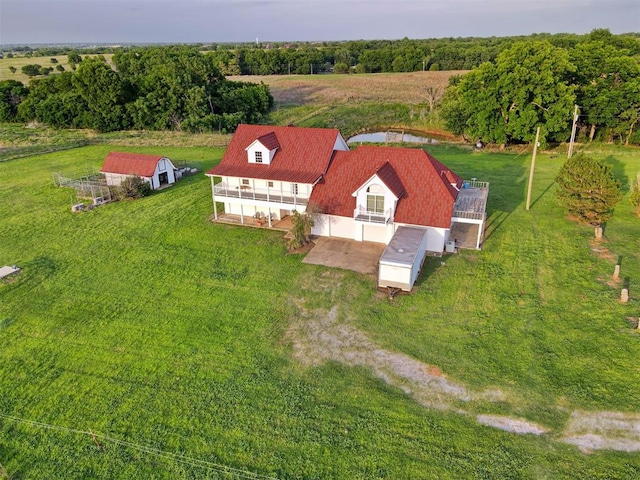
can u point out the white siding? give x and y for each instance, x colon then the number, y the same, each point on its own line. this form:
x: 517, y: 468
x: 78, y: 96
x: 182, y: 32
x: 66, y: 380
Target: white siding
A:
x: 389, y: 198
x: 340, y: 144
x: 395, y: 276
x: 334, y: 226
x: 267, y: 155
x: 116, y: 179
x: 374, y: 233
x: 435, y: 239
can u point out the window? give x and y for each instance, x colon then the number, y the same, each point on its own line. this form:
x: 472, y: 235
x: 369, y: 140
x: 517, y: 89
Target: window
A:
x: 294, y: 188
x: 270, y: 184
x: 258, y: 157
x: 245, y: 181
x: 375, y: 203
x: 375, y: 199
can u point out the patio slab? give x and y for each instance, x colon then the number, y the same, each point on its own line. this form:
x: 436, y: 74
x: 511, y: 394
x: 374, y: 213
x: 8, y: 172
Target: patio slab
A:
x: 361, y: 257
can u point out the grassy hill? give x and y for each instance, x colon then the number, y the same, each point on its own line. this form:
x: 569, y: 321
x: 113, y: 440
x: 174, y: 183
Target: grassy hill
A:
x: 188, y: 347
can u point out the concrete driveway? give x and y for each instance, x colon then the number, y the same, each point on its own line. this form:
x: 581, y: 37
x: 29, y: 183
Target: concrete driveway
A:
x: 361, y: 257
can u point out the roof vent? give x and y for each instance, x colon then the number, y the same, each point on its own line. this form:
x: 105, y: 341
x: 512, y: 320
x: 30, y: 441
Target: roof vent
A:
x: 401, y: 250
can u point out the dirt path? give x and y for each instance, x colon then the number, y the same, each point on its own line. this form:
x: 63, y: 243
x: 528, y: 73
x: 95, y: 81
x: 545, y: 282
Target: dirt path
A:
x: 603, y: 431
x: 318, y: 336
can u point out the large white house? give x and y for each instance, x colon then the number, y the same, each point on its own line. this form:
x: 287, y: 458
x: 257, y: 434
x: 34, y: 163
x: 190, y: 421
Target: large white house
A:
x: 366, y: 194
x: 157, y: 170
x: 271, y: 171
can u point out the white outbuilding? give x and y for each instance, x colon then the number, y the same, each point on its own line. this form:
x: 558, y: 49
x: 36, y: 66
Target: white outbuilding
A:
x: 155, y: 169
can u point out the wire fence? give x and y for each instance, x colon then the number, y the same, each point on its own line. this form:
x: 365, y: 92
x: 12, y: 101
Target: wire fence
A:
x: 97, y: 438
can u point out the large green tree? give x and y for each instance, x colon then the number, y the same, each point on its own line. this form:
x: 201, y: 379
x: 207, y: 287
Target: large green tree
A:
x: 504, y: 102
x: 12, y: 94
x: 101, y: 88
x: 608, y: 80
x: 180, y: 88
x: 588, y: 189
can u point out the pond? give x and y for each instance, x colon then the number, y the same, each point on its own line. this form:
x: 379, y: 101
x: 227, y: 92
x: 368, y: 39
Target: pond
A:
x: 389, y: 137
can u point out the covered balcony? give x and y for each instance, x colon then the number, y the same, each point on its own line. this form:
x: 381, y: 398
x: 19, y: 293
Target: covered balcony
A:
x: 361, y: 214
x: 247, y: 192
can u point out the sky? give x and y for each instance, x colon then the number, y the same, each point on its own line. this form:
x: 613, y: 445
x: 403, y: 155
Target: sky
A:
x: 204, y: 21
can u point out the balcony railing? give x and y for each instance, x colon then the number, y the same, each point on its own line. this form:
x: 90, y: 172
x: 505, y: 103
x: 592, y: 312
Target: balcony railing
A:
x: 471, y: 203
x: 261, y: 194
x: 361, y: 214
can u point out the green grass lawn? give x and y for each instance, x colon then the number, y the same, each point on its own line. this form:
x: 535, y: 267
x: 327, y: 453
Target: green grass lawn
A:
x: 147, y: 324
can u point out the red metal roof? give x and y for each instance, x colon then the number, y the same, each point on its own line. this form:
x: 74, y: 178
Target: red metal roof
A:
x: 390, y: 178
x: 302, y: 157
x: 126, y: 163
x: 428, y: 197
x: 269, y: 140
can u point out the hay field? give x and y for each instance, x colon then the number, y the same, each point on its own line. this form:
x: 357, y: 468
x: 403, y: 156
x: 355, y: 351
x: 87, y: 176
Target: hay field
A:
x: 292, y: 90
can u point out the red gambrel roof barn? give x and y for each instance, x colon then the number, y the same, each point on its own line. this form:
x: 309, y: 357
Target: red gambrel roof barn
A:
x: 155, y: 169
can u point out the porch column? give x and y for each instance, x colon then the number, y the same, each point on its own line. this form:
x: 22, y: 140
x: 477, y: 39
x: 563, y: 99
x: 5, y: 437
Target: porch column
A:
x: 480, y: 227
x: 213, y: 197
x: 241, y: 214
x: 269, y: 213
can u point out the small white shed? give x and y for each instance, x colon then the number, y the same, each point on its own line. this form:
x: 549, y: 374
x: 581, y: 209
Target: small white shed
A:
x: 402, y: 260
x: 155, y: 169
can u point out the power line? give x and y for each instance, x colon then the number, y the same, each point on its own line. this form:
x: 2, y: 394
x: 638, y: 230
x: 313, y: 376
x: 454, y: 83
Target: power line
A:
x: 239, y: 473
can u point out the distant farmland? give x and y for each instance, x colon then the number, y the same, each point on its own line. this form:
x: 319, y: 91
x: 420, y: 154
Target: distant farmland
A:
x: 293, y: 90
x: 19, y: 62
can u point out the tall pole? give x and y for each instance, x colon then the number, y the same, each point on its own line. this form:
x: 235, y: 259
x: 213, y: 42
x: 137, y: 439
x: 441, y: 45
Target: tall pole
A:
x: 573, y: 131
x: 533, y: 165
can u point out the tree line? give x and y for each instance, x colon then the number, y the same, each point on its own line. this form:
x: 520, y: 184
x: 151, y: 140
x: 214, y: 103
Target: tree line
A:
x: 359, y: 56
x: 148, y: 88
x: 536, y: 84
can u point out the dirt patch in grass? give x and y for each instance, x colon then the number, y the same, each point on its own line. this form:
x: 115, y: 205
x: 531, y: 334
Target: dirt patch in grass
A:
x: 510, y: 424
x: 603, y: 431
x: 319, y: 336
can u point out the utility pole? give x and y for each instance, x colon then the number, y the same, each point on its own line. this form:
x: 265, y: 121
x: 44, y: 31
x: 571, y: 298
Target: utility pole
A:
x: 533, y: 165
x: 573, y: 131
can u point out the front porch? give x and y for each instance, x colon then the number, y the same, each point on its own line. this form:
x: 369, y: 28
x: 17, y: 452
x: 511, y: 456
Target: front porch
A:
x: 284, y: 224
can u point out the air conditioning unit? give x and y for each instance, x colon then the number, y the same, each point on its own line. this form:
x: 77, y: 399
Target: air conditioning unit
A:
x: 450, y: 246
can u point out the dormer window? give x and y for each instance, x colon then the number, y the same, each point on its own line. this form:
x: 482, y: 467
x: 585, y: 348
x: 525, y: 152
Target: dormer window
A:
x: 263, y: 149
x: 375, y: 199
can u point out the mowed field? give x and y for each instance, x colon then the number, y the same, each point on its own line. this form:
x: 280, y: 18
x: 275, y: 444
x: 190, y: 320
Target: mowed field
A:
x: 195, y: 350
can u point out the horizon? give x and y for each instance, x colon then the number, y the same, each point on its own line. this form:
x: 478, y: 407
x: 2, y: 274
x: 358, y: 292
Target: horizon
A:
x: 138, y: 22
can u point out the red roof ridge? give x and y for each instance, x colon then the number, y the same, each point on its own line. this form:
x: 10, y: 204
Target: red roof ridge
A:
x: 269, y: 140
x: 390, y: 178
x: 128, y: 163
